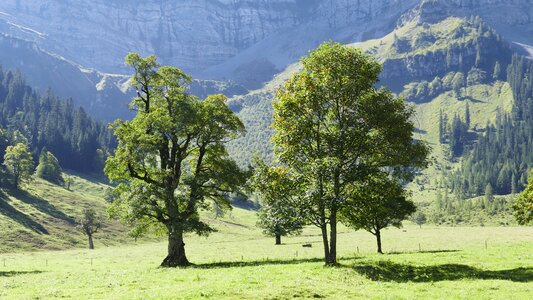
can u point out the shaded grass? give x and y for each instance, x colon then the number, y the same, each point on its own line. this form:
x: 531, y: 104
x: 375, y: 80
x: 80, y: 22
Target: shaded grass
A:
x: 391, y: 271
x: 16, y: 273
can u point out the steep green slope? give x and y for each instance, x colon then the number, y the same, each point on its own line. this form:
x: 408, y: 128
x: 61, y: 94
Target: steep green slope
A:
x: 417, y: 52
x: 43, y: 216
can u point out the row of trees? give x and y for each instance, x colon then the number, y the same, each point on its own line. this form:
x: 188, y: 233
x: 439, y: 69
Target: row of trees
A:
x: 344, y: 147
x: 455, y: 133
x: 19, y: 165
x: 343, y: 150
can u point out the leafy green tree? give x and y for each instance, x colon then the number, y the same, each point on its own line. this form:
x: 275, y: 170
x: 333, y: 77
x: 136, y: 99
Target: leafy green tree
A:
x: 378, y: 203
x: 419, y: 218
x: 333, y: 128
x: 19, y: 162
x: 49, y: 168
x: 278, y: 216
x: 90, y: 223
x: 523, y: 205
x: 171, y: 159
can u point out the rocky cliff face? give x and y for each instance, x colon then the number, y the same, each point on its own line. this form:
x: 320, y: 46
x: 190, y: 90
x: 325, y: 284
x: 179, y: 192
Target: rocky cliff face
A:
x: 246, y: 41
x: 192, y: 34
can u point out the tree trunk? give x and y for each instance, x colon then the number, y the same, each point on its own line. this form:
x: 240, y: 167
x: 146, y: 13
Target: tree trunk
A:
x: 333, y: 238
x: 278, y: 239
x: 324, y: 230
x: 91, y: 244
x: 176, y: 249
x: 378, y: 239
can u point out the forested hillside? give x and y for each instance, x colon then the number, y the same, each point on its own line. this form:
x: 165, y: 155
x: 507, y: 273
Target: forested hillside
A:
x: 44, y: 121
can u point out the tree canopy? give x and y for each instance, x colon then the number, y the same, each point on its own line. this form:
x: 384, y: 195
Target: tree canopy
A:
x: 334, y: 128
x: 19, y: 162
x: 377, y: 203
x: 49, y: 168
x: 279, y: 216
x: 171, y: 158
x: 523, y: 205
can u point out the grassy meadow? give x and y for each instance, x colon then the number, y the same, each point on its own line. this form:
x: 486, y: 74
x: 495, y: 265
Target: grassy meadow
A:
x: 239, y: 263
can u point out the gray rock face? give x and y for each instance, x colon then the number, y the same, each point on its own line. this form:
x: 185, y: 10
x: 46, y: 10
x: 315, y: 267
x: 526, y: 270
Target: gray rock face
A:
x: 188, y: 33
x: 192, y: 34
x: 246, y: 41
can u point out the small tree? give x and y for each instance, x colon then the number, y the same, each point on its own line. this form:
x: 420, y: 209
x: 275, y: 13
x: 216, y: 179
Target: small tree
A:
x: 19, y: 162
x: 419, y: 218
x: 49, y: 168
x: 90, y: 223
x: 277, y: 216
x: 377, y: 204
x: 68, y: 182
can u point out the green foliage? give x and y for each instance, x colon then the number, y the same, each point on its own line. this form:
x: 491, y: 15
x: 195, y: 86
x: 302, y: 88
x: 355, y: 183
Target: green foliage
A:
x: 49, y: 168
x: 279, y: 215
x: 45, y: 121
x: 523, y: 205
x: 376, y: 204
x: 501, y: 156
x: 333, y: 128
x: 171, y: 159
x: 19, y: 162
x: 419, y: 218
x: 110, y: 195
x: 90, y: 224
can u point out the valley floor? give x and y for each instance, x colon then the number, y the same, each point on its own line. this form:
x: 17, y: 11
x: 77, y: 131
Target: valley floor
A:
x: 421, y: 263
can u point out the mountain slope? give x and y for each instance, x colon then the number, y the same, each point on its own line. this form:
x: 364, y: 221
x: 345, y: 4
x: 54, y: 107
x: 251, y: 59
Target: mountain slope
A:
x: 245, y: 41
x: 43, y: 216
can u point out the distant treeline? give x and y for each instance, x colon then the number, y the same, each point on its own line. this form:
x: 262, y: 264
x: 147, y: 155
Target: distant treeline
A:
x: 79, y: 142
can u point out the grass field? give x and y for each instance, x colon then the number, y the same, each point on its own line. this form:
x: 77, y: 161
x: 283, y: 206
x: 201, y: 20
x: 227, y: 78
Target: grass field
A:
x: 237, y: 262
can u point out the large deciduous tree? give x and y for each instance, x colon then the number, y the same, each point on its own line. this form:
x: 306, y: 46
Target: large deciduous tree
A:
x: 376, y: 204
x: 19, y: 162
x: 171, y: 158
x: 334, y: 128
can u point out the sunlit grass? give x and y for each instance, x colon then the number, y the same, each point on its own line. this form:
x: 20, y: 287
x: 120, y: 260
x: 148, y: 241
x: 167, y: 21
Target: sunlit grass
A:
x: 237, y: 262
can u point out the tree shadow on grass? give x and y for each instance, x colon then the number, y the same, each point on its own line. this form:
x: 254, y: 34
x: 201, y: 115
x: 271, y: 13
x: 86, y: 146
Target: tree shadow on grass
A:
x: 42, y: 205
x: 390, y: 271
x: 425, y: 251
x: 255, y: 263
x: 19, y: 217
x: 16, y: 273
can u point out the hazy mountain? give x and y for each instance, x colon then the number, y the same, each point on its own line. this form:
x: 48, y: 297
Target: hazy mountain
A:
x: 77, y: 47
